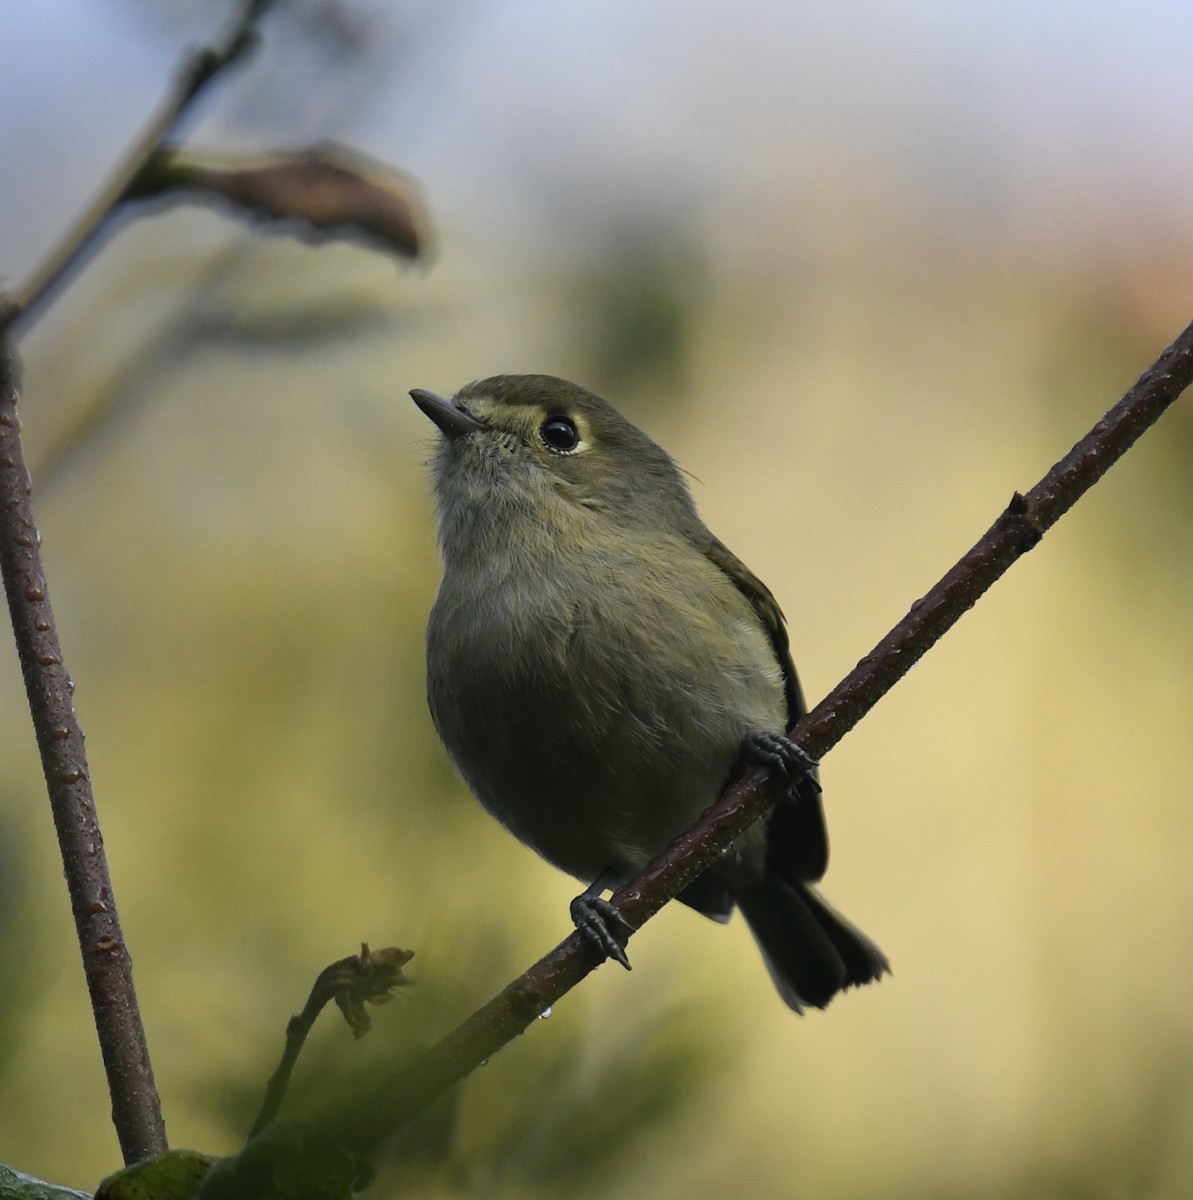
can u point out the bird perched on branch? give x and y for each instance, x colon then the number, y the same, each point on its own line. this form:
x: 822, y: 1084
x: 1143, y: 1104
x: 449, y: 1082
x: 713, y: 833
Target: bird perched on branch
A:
x: 600, y: 666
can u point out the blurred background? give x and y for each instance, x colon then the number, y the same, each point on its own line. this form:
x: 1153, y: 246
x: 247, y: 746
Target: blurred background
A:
x: 864, y: 270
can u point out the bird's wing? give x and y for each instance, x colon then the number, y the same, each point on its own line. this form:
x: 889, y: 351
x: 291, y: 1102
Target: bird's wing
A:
x: 764, y: 604
x: 798, y: 837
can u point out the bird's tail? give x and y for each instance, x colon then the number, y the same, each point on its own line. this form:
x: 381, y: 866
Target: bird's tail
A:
x: 811, y: 951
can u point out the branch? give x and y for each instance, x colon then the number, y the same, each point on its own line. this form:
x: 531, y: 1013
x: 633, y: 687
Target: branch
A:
x: 136, y: 1110
x: 1015, y: 532
x: 198, y: 69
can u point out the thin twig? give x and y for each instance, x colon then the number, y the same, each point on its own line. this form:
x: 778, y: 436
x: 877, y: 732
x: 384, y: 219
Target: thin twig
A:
x: 197, y: 70
x: 136, y: 1110
x: 1015, y: 532
x: 367, y: 977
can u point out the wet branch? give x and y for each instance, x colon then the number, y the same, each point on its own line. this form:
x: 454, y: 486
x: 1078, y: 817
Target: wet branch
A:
x: 1015, y: 531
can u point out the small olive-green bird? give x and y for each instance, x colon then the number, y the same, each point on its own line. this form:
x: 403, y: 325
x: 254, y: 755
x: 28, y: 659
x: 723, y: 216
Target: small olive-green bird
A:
x: 600, y: 666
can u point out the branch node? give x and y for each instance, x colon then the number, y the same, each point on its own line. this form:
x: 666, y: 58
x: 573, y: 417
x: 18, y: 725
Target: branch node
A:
x: 1031, y: 530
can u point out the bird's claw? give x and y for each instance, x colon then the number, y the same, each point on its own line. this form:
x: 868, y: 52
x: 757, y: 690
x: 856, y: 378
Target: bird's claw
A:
x: 779, y: 754
x: 596, y: 919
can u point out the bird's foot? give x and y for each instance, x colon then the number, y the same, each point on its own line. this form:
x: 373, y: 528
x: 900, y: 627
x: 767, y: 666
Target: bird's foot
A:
x: 781, y: 756
x: 597, y: 919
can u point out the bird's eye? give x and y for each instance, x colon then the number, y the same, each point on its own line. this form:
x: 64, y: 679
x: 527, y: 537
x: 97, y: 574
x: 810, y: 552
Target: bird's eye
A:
x: 559, y: 434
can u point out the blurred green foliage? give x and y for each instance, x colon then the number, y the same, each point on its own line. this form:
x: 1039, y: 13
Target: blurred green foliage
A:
x: 637, y: 301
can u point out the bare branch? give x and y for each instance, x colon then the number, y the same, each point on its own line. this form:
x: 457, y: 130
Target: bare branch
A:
x: 136, y: 1110
x: 1015, y: 532
x: 198, y: 69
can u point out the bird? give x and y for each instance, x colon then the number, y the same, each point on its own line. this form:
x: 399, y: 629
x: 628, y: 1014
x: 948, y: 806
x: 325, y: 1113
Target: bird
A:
x: 600, y: 666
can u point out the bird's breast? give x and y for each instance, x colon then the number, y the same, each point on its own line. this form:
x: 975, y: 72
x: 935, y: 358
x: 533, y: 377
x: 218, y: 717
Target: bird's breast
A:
x: 596, y: 702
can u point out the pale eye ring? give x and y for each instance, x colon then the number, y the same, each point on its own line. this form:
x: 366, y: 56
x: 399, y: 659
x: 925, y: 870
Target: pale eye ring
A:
x: 560, y: 434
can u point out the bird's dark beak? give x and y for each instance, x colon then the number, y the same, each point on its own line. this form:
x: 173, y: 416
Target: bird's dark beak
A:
x: 454, y: 421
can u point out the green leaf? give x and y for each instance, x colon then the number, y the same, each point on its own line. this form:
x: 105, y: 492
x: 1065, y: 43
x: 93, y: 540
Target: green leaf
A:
x: 175, y: 1175
x: 14, y: 1185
